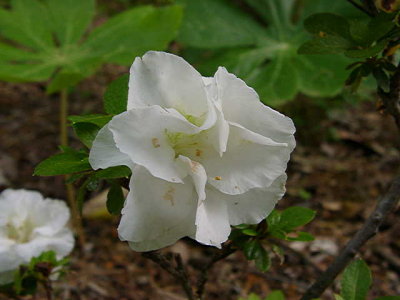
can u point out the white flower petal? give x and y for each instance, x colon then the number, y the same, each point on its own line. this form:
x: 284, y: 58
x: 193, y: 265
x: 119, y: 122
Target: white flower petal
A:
x: 141, y: 134
x: 219, y: 133
x: 198, y: 174
x: 212, y: 222
x: 62, y: 244
x: 50, y: 217
x: 104, y: 153
x: 30, y: 225
x: 253, y: 206
x: 241, y: 104
x: 9, y: 261
x: 157, y: 213
x: 250, y: 161
x: 164, y: 79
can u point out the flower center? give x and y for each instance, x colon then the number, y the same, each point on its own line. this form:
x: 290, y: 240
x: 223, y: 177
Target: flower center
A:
x: 198, y: 121
x: 20, y: 233
x: 189, y: 145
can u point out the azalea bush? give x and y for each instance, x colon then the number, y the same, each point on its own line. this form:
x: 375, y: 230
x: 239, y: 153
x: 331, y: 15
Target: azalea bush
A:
x: 192, y: 145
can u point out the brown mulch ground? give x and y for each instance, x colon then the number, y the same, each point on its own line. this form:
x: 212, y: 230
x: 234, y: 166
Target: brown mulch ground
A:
x: 340, y: 174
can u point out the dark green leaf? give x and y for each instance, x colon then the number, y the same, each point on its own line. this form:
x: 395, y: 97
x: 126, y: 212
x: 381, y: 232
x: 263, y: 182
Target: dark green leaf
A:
x: 251, y: 249
x: 96, y: 119
x: 63, y: 163
x: 262, y: 260
x: 356, y: 281
x: 113, y: 172
x: 328, y: 24
x: 295, y: 216
x: 381, y: 78
x: 86, y: 132
x: 388, y: 298
x: 366, y: 52
x: 115, y: 198
x: 329, y: 44
x: 74, y: 177
x: 116, y: 95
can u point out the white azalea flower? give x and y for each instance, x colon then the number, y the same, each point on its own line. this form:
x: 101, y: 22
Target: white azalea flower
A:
x: 205, y: 154
x: 29, y: 226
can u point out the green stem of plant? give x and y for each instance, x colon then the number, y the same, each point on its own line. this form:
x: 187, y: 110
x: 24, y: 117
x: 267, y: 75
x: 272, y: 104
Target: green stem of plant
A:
x: 71, y: 195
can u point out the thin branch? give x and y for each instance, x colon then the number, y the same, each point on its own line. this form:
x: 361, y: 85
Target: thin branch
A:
x: 370, y: 228
x: 71, y: 195
x: 178, y: 271
x: 360, y: 7
x: 219, y: 255
x: 391, y: 100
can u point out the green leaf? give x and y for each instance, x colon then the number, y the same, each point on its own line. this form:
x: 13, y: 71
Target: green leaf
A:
x: 276, y: 81
x: 96, y: 119
x: 328, y: 24
x: 267, y: 59
x: 388, y: 298
x: 366, y: 52
x: 116, y: 95
x: 275, y: 295
x: 273, y: 219
x: 251, y: 249
x: 86, y: 132
x: 113, y: 172
x: 115, y: 198
x: 301, y: 237
x: 70, y: 18
x: 338, y: 297
x: 226, y: 25
x: 356, y: 281
x: 48, y: 40
x: 63, y: 163
x: 329, y: 44
x: 321, y: 74
x: 262, y: 260
x: 250, y: 232
x: 382, y: 79
x: 134, y: 32
x: 295, y: 216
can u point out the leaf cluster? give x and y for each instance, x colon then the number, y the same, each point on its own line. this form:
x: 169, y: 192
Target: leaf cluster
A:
x: 257, y: 40
x: 355, y: 284
x: 355, y: 38
x: 256, y: 241
x: 371, y: 40
x: 38, y: 271
x: 75, y: 163
x: 54, y: 39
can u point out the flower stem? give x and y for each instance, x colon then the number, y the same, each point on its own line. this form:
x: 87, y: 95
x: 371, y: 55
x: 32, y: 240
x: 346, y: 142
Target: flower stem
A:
x: 71, y: 195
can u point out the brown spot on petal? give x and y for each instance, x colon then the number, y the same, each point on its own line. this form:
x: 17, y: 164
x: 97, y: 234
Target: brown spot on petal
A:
x: 199, y: 152
x: 169, y: 195
x: 155, y: 142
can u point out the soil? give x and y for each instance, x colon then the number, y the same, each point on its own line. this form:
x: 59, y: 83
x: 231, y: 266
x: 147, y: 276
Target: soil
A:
x: 340, y: 172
